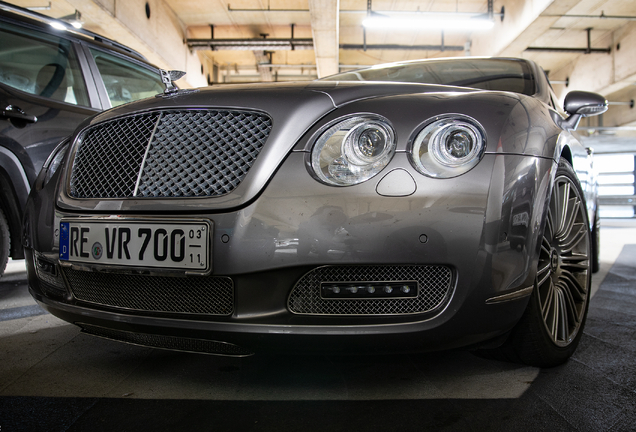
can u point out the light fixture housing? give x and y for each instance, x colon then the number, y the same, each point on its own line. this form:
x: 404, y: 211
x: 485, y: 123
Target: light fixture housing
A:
x: 452, y: 22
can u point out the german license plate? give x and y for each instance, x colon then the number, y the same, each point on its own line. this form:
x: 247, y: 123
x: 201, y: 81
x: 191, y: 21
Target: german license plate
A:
x: 143, y: 243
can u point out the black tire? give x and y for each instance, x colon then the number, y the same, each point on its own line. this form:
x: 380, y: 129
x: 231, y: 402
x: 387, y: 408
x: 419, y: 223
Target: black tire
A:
x: 5, y: 242
x: 552, y: 325
x: 596, y: 243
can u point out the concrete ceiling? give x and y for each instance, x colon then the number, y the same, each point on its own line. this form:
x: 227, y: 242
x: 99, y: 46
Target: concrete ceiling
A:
x: 334, y: 28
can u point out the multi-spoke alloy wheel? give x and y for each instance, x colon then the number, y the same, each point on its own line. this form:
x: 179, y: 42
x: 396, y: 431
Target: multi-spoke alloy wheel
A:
x: 564, y: 263
x: 550, y: 329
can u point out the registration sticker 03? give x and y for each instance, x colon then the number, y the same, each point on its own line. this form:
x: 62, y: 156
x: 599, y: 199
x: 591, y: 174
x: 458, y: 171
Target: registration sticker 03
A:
x: 166, y: 244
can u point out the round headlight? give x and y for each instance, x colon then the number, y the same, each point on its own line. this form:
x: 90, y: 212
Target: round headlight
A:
x: 353, y: 150
x: 448, y: 147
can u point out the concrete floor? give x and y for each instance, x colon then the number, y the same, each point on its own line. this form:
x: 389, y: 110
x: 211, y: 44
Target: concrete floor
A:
x: 52, y: 378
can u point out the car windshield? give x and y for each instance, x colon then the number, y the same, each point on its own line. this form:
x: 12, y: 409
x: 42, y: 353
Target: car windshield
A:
x: 484, y: 74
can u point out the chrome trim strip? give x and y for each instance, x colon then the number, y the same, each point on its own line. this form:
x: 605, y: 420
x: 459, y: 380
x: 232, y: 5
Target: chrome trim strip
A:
x: 143, y: 161
x: 511, y: 296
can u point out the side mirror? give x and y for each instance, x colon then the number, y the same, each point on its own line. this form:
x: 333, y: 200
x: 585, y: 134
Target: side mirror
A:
x: 579, y: 104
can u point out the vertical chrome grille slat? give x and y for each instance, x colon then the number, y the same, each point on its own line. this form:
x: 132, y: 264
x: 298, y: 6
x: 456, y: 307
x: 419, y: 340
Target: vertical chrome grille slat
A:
x: 143, y: 161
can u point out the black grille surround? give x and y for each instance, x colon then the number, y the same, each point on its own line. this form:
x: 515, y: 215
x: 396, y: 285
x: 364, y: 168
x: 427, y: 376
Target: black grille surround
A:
x: 435, y: 283
x: 168, y: 154
x: 200, y: 295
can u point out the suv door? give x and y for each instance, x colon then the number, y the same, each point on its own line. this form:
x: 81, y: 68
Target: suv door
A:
x: 45, y: 92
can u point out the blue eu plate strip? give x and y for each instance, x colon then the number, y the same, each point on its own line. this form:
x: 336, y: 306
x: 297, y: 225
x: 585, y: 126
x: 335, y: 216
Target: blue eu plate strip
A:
x: 64, y: 241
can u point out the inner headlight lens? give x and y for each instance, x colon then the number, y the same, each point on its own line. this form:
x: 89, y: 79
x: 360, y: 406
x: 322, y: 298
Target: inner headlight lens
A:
x: 353, y: 150
x: 448, y: 147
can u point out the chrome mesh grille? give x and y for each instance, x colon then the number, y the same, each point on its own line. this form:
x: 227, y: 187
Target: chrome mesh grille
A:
x: 434, y: 288
x: 202, y: 153
x: 191, y: 295
x: 188, y: 153
x: 167, y: 342
x: 109, y: 156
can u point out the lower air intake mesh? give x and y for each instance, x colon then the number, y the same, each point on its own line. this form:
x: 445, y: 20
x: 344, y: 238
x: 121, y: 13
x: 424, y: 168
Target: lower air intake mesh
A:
x: 212, y: 295
x: 434, y: 288
x: 167, y: 342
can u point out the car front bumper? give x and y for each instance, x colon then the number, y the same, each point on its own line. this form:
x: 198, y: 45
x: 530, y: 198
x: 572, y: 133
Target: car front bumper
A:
x: 468, y: 225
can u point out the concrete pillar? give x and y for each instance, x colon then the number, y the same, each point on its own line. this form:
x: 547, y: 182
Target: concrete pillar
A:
x: 325, y: 32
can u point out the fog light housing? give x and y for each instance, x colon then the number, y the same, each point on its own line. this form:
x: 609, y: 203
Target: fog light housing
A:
x: 50, y: 276
x: 369, y: 290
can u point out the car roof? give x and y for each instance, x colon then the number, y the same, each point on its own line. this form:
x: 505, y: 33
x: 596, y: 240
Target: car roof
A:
x: 43, y: 22
x: 541, y: 83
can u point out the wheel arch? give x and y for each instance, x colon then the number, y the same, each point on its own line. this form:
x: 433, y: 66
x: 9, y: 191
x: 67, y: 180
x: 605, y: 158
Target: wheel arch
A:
x: 13, y: 196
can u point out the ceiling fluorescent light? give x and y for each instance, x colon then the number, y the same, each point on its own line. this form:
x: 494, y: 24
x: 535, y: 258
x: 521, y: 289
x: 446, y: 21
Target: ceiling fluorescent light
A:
x: 446, y: 22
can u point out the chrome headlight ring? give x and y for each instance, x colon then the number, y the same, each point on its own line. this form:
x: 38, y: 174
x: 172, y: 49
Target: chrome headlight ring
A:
x: 448, y: 146
x: 352, y: 150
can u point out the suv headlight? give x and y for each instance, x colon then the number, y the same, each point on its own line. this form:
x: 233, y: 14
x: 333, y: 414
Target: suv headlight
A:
x: 353, y: 150
x: 54, y: 161
x: 448, y: 147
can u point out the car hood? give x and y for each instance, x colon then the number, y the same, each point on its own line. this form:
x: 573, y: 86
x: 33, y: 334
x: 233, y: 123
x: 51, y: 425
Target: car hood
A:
x: 294, y: 108
x: 277, y: 99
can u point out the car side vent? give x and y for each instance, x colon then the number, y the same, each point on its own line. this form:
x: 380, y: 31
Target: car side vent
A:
x: 168, y: 154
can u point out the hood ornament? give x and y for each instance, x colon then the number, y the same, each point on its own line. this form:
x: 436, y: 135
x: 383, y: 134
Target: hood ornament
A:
x: 168, y: 78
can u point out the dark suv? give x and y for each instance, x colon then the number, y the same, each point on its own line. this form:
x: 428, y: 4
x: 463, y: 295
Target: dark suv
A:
x: 50, y: 80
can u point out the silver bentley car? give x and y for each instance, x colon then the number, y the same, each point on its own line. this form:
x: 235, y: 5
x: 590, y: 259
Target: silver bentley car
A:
x: 413, y: 206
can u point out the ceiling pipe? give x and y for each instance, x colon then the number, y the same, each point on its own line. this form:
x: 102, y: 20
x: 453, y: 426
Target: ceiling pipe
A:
x: 300, y: 44
x: 250, y: 44
x: 601, y: 16
x: 418, y: 12
x: 629, y: 103
x: 402, y: 47
x: 588, y: 50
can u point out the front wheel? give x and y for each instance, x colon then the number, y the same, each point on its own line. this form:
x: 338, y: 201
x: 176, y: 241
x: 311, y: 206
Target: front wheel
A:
x: 552, y: 325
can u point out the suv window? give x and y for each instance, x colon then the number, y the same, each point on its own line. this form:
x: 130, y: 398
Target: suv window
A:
x: 126, y: 81
x: 41, y: 64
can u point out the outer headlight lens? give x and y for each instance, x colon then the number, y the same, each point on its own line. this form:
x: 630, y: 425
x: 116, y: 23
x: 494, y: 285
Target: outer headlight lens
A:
x: 448, y: 147
x: 353, y: 150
